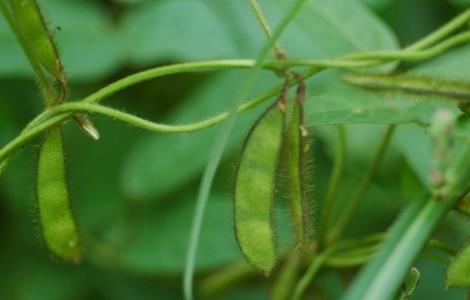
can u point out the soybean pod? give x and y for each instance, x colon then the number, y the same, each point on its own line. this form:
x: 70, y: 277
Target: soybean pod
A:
x: 255, y: 189
x: 36, y: 36
x: 410, y: 84
x: 296, y: 168
x: 58, y: 226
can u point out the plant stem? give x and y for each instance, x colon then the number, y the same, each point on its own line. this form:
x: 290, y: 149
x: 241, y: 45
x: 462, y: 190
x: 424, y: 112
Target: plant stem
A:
x: 285, y: 283
x: 316, y: 66
x: 333, y: 186
x: 347, y: 254
x: 353, y: 204
x: 312, y: 270
x: 264, y: 24
x: 384, y: 274
x: 218, y: 148
x: 442, y: 32
x: 226, y: 277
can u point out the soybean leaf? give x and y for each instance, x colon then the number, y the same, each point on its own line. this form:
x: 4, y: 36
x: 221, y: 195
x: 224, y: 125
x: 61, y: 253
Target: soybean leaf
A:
x: 196, y: 33
x: 354, y: 27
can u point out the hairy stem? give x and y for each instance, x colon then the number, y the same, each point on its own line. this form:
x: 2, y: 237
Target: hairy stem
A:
x: 383, y: 275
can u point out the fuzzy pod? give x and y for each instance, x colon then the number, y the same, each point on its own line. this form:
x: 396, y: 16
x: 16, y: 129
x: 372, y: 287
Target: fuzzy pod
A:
x: 255, y: 189
x: 296, y: 174
x: 458, y: 272
x: 409, y: 84
x: 36, y: 37
x: 58, y: 226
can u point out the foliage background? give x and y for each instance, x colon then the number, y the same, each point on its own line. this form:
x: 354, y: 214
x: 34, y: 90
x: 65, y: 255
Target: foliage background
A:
x: 133, y: 192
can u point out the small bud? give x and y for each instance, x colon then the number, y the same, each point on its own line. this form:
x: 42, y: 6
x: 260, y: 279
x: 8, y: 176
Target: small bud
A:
x: 87, y: 126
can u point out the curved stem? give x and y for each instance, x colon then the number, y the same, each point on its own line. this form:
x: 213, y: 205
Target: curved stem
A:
x: 316, y: 66
x: 373, y: 58
x: 61, y: 113
x: 442, y: 32
x: 361, y: 60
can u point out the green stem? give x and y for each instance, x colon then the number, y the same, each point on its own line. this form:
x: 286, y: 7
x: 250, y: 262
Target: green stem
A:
x: 370, y: 58
x: 311, y: 272
x: 218, y: 65
x: 352, y: 205
x: 264, y: 24
x: 442, y: 32
x: 262, y: 20
x: 219, y: 145
x: 115, y: 87
x: 347, y: 253
x: 332, y: 191
x: 384, y: 274
x: 285, y: 283
x: 225, y: 278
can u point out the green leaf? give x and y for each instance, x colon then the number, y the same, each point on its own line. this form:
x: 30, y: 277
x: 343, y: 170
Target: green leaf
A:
x: 458, y: 272
x: 160, y: 241
x: 353, y: 26
x: 181, y: 30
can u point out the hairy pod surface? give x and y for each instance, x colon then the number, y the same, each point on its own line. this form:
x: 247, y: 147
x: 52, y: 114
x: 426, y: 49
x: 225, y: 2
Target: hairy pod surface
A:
x: 58, y: 226
x: 36, y: 36
x: 458, y: 272
x: 254, y: 189
x: 417, y: 85
x: 296, y: 166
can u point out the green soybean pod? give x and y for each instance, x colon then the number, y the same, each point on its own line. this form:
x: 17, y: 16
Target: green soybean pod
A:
x: 410, y: 84
x: 296, y: 169
x: 255, y: 188
x: 36, y: 36
x: 458, y: 272
x: 58, y: 226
